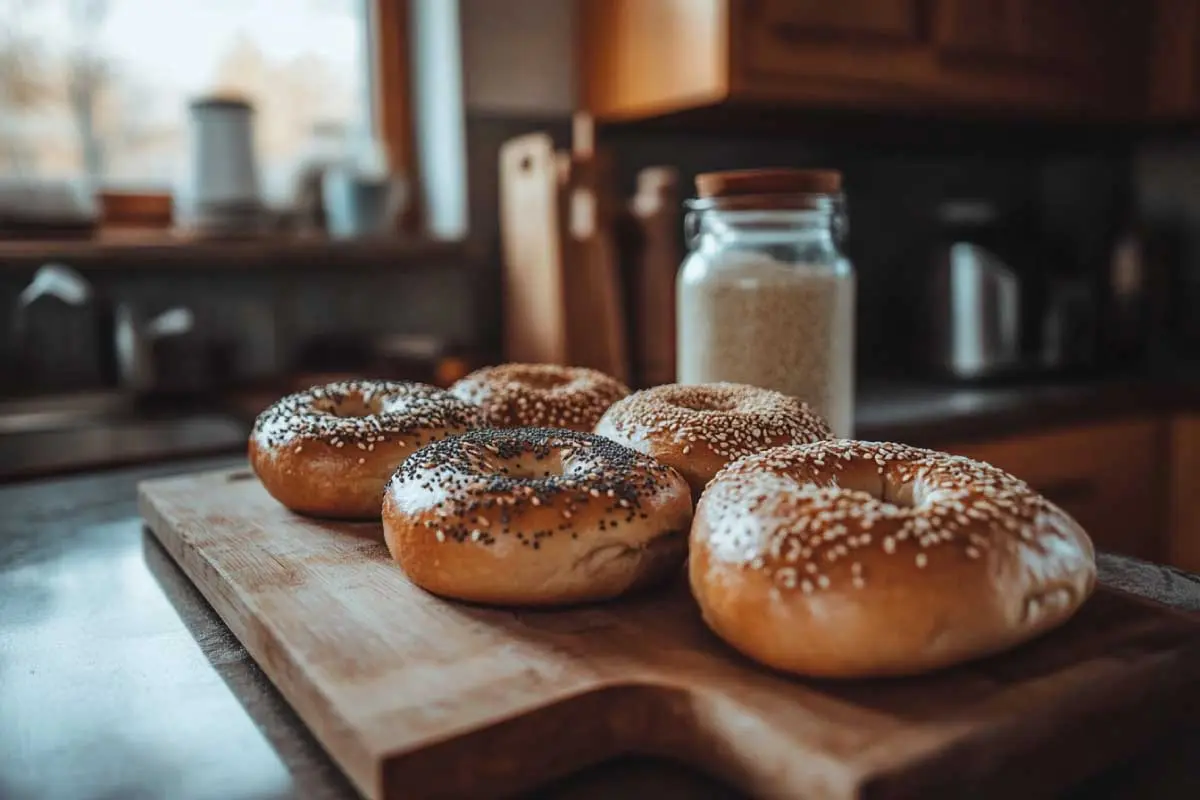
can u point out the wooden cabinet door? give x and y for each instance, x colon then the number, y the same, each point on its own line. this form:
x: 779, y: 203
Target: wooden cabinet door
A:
x: 1041, y: 34
x: 855, y: 40
x: 979, y: 28
x: 799, y: 20
x: 1185, y: 493
x: 1111, y: 477
x: 1174, y: 60
x: 1097, y: 47
x: 1050, y: 54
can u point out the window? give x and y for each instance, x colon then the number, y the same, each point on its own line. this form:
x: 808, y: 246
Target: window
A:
x: 100, y: 88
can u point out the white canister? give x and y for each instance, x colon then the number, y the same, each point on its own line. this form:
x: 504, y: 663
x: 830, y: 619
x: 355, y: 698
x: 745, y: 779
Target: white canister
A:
x: 224, y: 169
x: 766, y: 295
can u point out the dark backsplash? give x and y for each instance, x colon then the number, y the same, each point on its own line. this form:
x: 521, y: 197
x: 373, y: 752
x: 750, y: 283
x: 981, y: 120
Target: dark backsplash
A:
x: 1076, y: 194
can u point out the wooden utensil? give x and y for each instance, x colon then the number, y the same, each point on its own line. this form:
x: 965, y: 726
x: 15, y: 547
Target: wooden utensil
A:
x: 415, y: 697
x: 652, y: 257
x: 595, y: 307
x: 562, y: 292
x: 535, y: 312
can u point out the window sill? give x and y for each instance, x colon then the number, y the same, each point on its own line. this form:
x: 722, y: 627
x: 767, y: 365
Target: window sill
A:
x: 166, y: 250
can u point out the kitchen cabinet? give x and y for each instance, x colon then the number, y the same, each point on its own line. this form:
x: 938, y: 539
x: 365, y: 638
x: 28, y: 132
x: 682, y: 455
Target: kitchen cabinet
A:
x: 1174, y: 83
x: 1185, y: 492
x: 643, y: 58
x: 1111, y: 476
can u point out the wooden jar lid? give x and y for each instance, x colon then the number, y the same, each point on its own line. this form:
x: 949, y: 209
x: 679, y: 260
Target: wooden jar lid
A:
x: 768, y: 181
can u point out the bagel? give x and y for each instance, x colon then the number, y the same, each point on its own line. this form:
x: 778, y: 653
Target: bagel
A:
x: 540, y: 395
x: 699, y: 429
x: 328, y: 451
x: 535, y: 517
x: 855, y: 559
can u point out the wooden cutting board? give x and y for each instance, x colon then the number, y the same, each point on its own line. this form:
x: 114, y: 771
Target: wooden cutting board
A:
x: 534, y: 290
x: 418, y: 697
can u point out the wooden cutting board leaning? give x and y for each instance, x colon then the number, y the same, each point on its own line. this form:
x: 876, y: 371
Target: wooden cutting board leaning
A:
x: 414, y: 696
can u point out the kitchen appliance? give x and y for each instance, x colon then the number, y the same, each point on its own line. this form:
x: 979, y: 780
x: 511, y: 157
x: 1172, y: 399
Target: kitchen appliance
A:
x: 62, y: 332
x: 993, y: 298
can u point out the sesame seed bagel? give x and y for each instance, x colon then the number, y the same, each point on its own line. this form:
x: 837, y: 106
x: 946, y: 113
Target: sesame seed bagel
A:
x: 540, y: 395
x: 699, y: 429
x: 328, y: 451
x: 855, y: 559
x: 535, y: 517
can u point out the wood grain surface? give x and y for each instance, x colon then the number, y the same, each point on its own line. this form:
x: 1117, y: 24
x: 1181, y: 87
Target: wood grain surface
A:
x: 417, y: 697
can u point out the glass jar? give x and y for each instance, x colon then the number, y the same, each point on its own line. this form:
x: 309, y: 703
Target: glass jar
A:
x: 766, y: 296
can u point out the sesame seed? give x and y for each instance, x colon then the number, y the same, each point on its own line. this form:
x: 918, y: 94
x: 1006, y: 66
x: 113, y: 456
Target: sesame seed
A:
x: 806, y: 517
x: 540, y: 395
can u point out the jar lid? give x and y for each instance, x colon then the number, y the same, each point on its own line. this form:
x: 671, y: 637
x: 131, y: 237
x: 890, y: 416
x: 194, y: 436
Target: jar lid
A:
x: 768, y: 181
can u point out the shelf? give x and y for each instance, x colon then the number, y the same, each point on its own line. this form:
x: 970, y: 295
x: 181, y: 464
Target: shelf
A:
x: 166, y: 250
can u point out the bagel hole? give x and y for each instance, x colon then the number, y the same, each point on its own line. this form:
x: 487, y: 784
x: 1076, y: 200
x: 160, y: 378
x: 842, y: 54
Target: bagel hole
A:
x: 899, y: 494
x: 542, y: 380
x: 720, y: 404
x: 528, y: 466
x: 354, y: 405
x: 904, y: 495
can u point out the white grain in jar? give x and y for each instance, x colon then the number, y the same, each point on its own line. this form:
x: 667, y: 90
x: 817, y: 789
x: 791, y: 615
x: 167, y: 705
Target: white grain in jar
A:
x: 766, y: 297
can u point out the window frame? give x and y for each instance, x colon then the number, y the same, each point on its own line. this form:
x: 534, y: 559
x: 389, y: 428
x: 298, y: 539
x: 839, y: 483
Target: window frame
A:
x: 389, y: 23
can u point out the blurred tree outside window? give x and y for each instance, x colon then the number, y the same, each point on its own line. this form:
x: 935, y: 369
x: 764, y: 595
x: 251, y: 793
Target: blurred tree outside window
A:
x: 98, y: 90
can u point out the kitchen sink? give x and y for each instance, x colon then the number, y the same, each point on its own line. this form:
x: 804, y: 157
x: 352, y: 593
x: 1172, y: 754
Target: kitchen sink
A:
x: 62, y: 411
x: 47, y: 436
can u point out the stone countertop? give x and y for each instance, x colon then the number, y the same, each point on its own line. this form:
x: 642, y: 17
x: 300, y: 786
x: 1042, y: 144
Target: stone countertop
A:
x: 118, y: 680
x: 28, y: 455
x: 933, y: 415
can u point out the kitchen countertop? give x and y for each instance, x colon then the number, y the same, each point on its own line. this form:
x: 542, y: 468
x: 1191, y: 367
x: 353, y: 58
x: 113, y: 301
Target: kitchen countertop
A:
x: 927, y: 414
x: 25, y: 455
x: 118, y: 680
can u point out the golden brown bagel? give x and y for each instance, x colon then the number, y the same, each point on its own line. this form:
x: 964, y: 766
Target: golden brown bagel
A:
x: 854, y: 559
x: 535, y: 516
x: 329, y: 451
x: 546, y: 395
x: 699, y: 429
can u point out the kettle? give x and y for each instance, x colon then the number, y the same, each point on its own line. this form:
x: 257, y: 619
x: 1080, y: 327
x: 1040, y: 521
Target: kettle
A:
x: 994, y: 299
